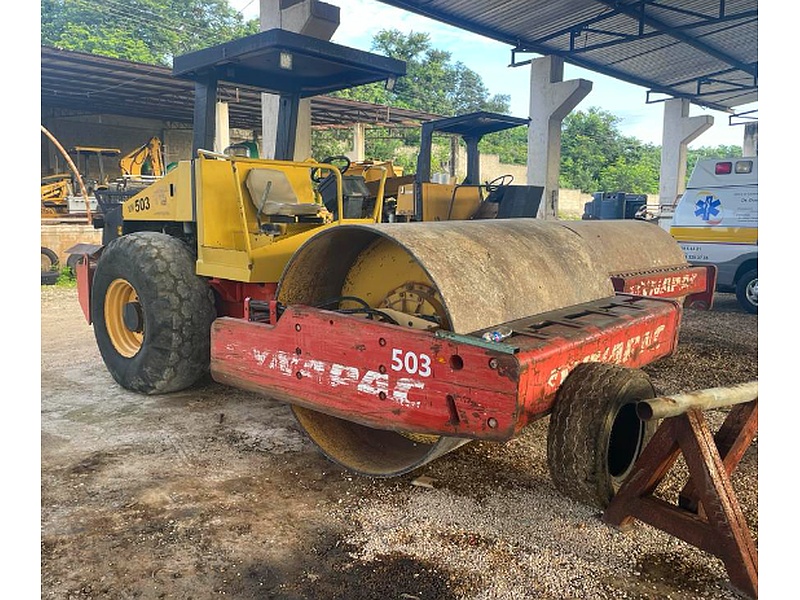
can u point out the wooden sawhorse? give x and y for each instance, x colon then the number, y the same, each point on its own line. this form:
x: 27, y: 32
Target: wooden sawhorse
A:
x: 707, y: 514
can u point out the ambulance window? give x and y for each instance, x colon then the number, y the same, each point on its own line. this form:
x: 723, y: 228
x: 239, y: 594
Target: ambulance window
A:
x: 744, y: 166
x: 722, y: 168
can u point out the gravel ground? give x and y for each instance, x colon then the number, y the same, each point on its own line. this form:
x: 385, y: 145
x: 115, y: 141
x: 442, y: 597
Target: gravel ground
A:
x: 214, y: 492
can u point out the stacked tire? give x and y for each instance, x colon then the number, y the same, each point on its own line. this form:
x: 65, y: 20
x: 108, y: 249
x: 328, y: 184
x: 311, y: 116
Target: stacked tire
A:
x: 50, y: 270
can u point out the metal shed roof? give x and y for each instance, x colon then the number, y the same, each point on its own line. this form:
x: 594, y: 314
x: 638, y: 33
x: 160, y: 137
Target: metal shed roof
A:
x: 702, y: 50
x: 94, y: 84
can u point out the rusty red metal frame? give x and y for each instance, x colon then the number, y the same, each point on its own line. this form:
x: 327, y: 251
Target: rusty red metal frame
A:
x: 695, y: 284
x: 392, y: 377
x: 84, y: 273
x: 233, y: 297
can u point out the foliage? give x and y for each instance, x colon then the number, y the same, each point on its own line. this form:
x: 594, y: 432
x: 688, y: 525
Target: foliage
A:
x: 590, y: 142
x: 433, y: 82
x: 637, y: 175
x: 595, y: 156
x: 510, y: 145
x: 146, y: 31
x: 707, y: 152
x: 382, y: 143
x: 330, y: 142
x: 66, y: 278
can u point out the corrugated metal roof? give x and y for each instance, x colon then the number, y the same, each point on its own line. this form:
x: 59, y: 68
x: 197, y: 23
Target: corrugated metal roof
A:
x: 703, y: 50
x: 93, y: 84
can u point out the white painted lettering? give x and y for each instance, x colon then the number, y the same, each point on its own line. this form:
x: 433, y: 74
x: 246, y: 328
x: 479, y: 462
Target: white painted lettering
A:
x: 401, y: 388
x: 342, y: 375
x: 374, y: 383
x: 618, y: 353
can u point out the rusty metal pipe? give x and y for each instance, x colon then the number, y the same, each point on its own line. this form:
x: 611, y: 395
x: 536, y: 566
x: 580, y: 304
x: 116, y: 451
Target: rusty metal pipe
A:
x: 74, y: 169
x: 677, y: 404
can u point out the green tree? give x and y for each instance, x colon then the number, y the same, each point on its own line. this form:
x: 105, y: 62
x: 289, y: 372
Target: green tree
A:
x: 693, y: 155
x: 590, y: 141
x: 147, y: 31
x: 634, y: 175
x: 469, y: 94
x: 330, y: 142
x: 433, y: 82
x: 510, y: 145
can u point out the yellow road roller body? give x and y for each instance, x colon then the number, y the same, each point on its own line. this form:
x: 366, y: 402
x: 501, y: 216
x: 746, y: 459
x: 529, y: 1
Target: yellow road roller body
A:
x: 251, y: 214
x: 394, y: 342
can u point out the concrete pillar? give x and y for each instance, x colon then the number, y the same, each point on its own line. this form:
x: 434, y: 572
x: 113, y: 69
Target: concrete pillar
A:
x: 750, y: 142
x: 308, y: 17
x: 359, y: 151
x: 222, y: 137
x: 551, y: 99
x: 679, y: 130
x: 302, y: 144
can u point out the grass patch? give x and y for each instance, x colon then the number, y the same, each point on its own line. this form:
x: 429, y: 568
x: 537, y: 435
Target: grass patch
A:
x: 66, y: 278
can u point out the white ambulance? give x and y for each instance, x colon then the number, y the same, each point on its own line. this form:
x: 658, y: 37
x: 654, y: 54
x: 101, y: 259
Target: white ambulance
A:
x: 716, y: 222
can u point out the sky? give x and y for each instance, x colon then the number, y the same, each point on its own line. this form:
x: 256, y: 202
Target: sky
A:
x: 490, y: 60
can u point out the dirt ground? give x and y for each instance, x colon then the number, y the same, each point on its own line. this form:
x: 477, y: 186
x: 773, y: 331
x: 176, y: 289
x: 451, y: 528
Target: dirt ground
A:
x: 214, y: 492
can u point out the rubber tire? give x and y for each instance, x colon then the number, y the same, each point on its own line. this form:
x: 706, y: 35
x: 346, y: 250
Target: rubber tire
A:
x: 72, y: 262
x: 51, y: 256
x: 50, y: 277
x: 50, y: 274
x: 579, y: 439
x: 741, y: 291
x: 177, y: 312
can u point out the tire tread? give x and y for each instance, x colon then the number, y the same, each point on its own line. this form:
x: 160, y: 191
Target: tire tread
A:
x: 577, y: 467
x: 179, y: 312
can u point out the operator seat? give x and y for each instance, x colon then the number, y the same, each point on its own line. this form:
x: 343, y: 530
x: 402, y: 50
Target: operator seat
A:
x: 273, y: 195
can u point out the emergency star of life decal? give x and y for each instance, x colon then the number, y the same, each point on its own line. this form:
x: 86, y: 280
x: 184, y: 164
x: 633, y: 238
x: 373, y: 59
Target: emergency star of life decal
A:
x: 709, y: 208
x: 335, y: 375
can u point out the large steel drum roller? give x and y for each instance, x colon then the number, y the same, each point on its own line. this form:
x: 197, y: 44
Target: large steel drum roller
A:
x: 463, y: 276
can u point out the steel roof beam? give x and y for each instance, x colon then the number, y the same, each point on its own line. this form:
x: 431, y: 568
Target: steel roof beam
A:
x: 507, y: 30
x: 621, y: 38
x: 678, y: 34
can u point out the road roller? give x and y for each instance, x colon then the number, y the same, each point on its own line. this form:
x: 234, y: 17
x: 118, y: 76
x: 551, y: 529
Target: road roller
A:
x: 393, y: 343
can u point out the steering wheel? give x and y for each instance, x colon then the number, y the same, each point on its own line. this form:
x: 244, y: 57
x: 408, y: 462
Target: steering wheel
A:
x: 499, y: 182
x: 332, y: 160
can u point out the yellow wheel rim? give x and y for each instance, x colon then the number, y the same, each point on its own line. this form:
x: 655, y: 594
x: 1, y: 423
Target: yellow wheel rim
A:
x: 126, y: 341
x: 387, y: 277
